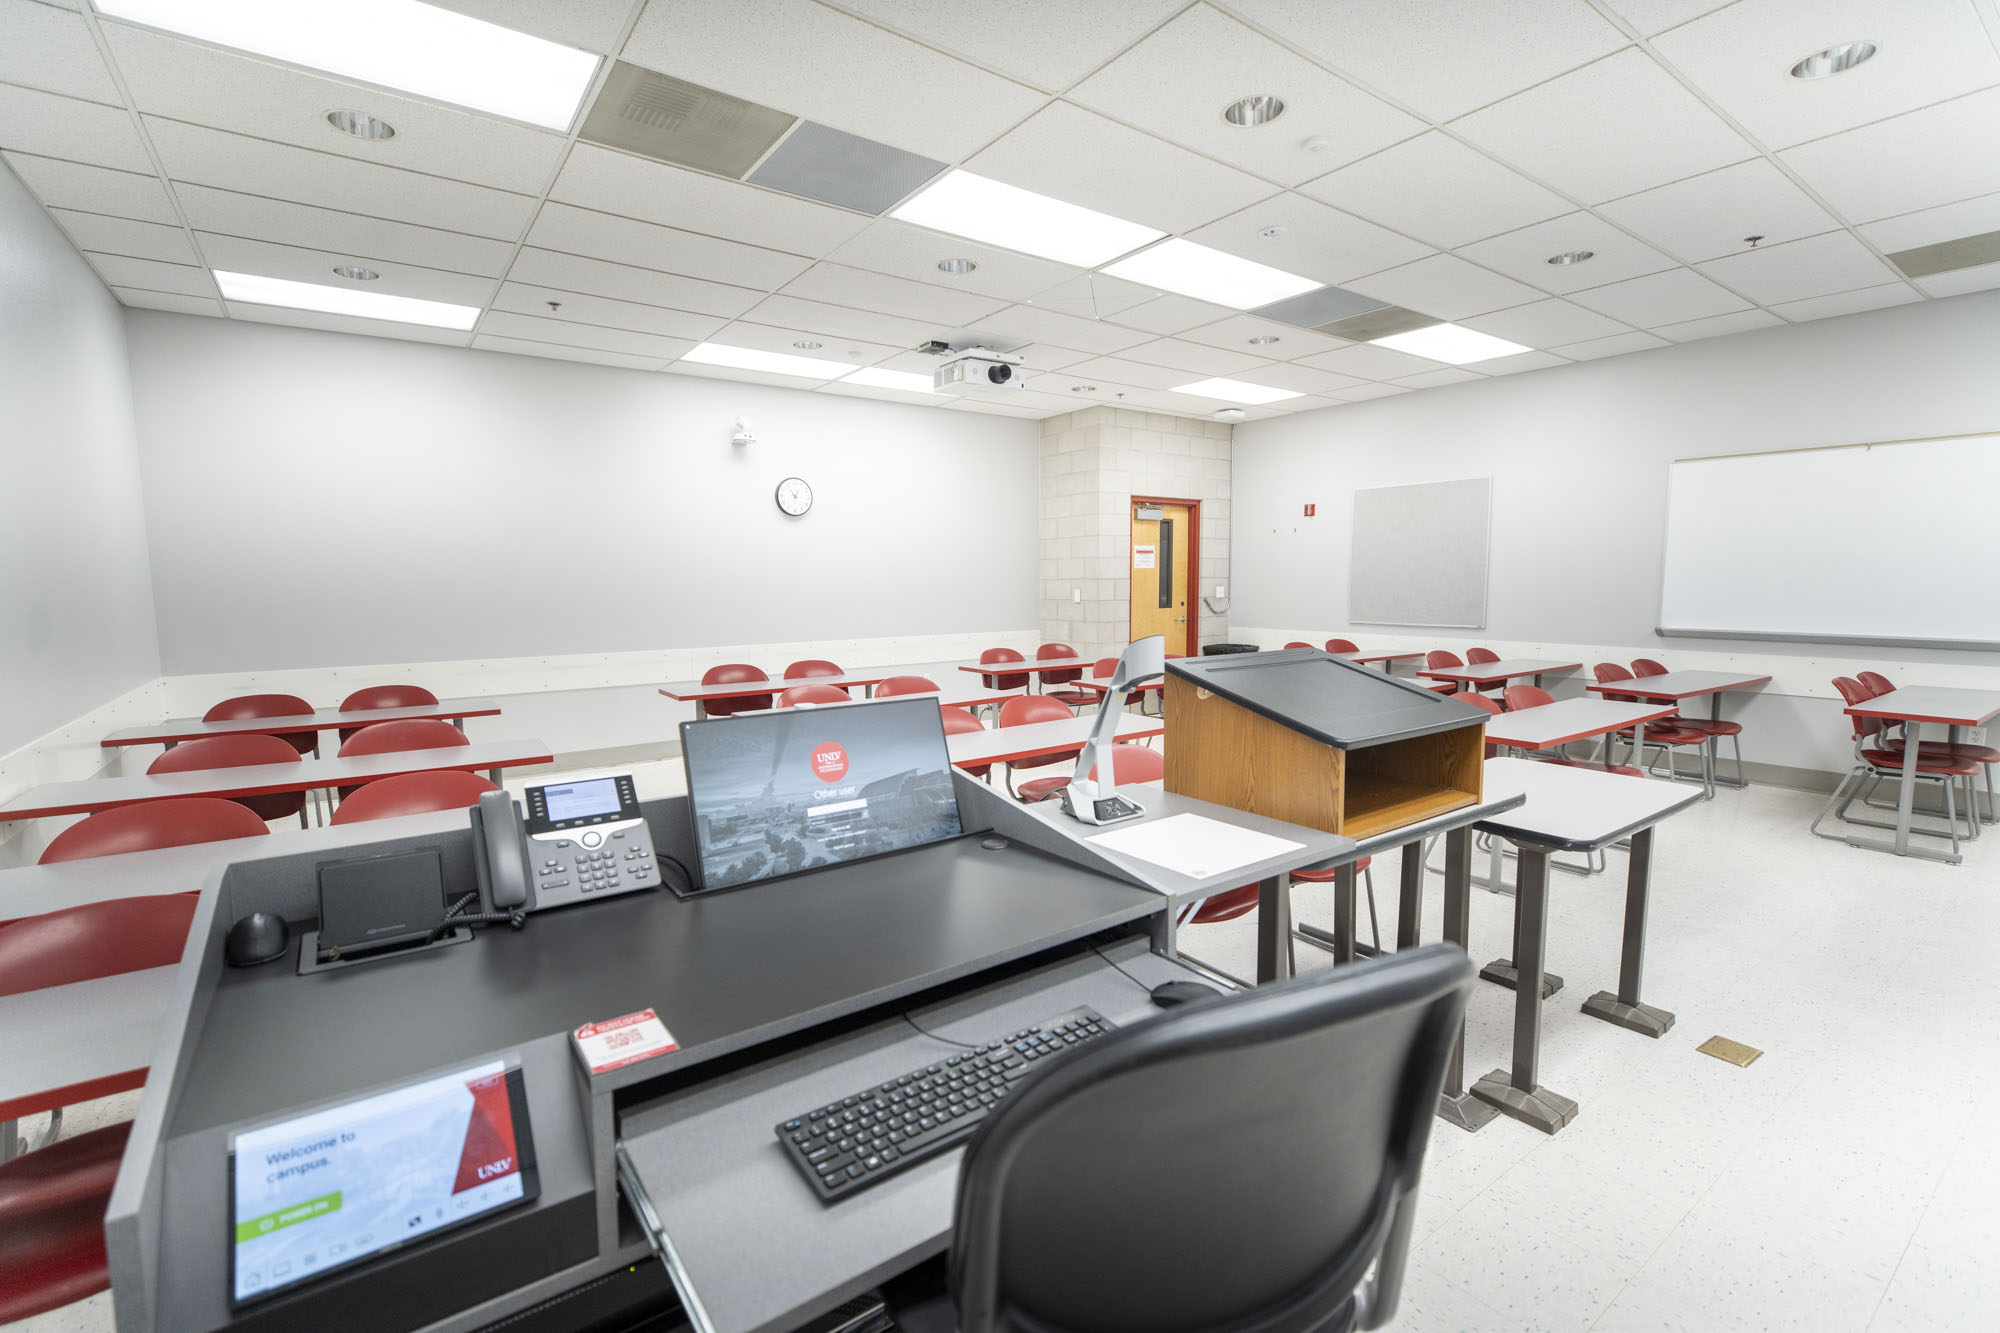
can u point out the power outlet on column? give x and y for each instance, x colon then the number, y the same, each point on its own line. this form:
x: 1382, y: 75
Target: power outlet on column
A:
x: 1975, y: 735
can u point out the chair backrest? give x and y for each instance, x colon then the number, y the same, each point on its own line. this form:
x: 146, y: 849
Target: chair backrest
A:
x: 1854, y: 692
x: 225, y: 752
x: 1104, y: 668
x: 957, y: 721
x: 1342, y: 646
x: 1065, y: 1219
x: 1475, y: 656
x: 384, y: 696
x: 1609, y: 672
x: 1060, y: 676
x: 1488, y: 702
x: 1297, y: 643
x: 1018, y: 681
x: 807, y: 668
x: 1135, y: 763
x: 1526, y: 696
x: 1646, y: 666
x: 794, y: 695
x: 1438, y: 657
x: 896, y: 685
x: 178, y: 821
x: 412, y: 734
x: 268, y: 705
x: 412, y: 794
x: 734, y: 673
x: 92, y: 940
x: 1032, y: 708
x: 1876, y: 682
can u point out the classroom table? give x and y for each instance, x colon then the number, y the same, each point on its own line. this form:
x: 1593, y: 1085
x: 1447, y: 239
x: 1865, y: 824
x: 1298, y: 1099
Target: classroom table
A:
x: 1916, y: 707
x: 1035, y: 669
x: 698, y: 694
x: 1499, y: 673
x: 173, y: 733
x: 1549, y: 726
x: 947, y: 698
x: 1675, y: 686
x: 94, y: 794
x: 1388, y: 660
x: 1033, y: 740
x: 65, y: 1044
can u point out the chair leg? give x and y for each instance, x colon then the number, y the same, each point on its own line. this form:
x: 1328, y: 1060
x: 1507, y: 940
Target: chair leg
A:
x: 1950, y: 814
x: 1838, y: 788
x: 1374, y: 922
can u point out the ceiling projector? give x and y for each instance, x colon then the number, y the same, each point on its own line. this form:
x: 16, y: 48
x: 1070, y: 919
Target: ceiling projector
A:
x: 978, y: 370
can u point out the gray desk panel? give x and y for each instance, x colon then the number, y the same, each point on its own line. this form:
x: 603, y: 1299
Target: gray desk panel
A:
x: 325, y: 719
x: 1568, y: 720
x: 64, y: 1035
x: 1680, y: 684
x: 1932, y: 703
x: 1576, y: 809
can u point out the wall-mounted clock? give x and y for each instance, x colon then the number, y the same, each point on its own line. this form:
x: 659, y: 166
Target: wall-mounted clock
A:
x: 794, y: 496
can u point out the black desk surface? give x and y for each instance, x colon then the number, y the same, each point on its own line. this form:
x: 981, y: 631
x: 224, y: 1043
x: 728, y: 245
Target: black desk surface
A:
x: 1338, y: 702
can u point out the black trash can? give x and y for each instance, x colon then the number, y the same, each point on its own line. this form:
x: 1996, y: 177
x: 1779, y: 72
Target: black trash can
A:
x: 1218, y: 649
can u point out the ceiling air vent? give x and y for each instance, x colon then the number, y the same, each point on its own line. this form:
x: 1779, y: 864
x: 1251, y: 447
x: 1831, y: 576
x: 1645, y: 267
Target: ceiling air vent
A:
x: 846, y: 170
x: 1945, y: 256
x: 1340, y: 313
x: 671, y: 120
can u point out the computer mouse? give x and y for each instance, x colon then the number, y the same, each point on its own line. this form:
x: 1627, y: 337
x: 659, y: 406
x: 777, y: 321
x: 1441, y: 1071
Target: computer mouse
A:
x: 1170, y: 993
x: 256, y: 938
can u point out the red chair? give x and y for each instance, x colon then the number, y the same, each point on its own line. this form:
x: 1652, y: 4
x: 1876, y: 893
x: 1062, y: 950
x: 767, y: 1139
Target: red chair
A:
x: 813, y: 694
x: 1875, y: 761
x: 1439, y: 660
x: 393, y: 737
x: 384, y: 696
x: 1342, y: 646
x: 957, y: 722
x: 1130, y: 763
x: 241, y: 751
x: 1518, y: 697
x: 1490, y: 705
x: 1713, y: 727
x: 1232, y: 903
x: 412, y: 794
x: 52, y: 1204
x: 734, y: 673
x: 1646, y: 666
x: 268, y: 705
x: 1027, y: 709
x: 1297, y: 643
x: 1062, y: 676
x: 1479, y: 656
x: 1984, y: 755
x: 810, y: 667
x: 1668, y: 733
x: 178, y: 821
x: 896, y: 685
x: 1008, y: 682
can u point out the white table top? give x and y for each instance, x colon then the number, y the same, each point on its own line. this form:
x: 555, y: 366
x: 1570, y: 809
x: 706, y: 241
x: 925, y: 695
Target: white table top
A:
x: 1679, y: 684
x: 1568, y: 720
x: 689, y: 690
x: 325, y: 719
x: 1383, y: 657
x: 1486, y: 673
x: 1004, y: 744
x: 958, y: 696
x: 1578, y: 809
x: 1033, y: 664
x: 64, y: 1035
x: 1932, y: 703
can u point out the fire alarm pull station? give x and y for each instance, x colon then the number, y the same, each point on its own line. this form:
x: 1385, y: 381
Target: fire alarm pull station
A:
x: 1311, y: 510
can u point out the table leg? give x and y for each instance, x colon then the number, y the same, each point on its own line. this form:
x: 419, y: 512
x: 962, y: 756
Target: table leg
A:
x: 1343, y: 914
x: 1274, y: 929
x: 1517, y: 1092
x: 1624, y: 1008
x: 493, y: 776
x: 1913, y: 744
x: 1455, y: 1104
x: 700, y: 710
x: 1410, y: 902
x: 10, y: 1140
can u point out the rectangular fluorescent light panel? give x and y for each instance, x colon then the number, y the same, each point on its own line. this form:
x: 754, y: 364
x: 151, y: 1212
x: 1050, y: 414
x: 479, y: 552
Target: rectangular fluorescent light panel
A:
x: 1210, y: 275
x: 400, y: 44
x: 1237, y: 391
x: 254, y: 290
x: 1450, y: 343
x: 777, y: 363
x: 905, y: 380
x: 986, y: 210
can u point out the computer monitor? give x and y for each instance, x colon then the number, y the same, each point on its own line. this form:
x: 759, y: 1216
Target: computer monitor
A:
x: 793, y: 790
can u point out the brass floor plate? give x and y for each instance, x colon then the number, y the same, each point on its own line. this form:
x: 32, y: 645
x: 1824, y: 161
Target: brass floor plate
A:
x: 1735, y: 1052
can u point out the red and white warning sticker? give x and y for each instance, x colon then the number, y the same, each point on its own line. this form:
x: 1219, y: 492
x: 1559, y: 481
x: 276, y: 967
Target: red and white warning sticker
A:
x: 617, y: 1042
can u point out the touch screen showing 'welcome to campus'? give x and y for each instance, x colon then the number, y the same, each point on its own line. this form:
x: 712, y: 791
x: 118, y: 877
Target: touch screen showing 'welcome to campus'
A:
x: 324, y: 1190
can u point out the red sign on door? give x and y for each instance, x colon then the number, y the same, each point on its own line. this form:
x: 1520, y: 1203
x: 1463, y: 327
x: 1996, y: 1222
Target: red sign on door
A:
x: 829, y: 762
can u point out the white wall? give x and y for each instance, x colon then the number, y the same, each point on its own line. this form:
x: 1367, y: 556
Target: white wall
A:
x: 321, y: 499
x: 76, y: 605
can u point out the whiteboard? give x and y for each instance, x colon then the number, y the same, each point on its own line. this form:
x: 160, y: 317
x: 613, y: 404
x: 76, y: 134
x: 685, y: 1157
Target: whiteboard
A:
x: 1420, y: 554
x: 1874, y: 543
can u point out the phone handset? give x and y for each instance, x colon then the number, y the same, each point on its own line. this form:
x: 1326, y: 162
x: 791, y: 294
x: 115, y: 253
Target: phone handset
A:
x: 502, y: 857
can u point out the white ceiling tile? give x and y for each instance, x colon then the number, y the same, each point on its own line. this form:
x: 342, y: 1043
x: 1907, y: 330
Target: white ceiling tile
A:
x: 486, y: 342
x: 1047, y: 43
x: 1177, y: 82
x: 1195, y: 358
x: 1443, y: 57
x: 621, y: 282
x: 253, y: 216
x: 1525, y: 254
x: 1969, y: 217
x: 1363, y: 393
x: 588, y: 25
x: 524, y: 299
x: 202, y: 156
x: 1716, y: 326
x: 1662, y: 298
x: 1314, y: 241
x: 227, y: 90
x: 835, y: 321
x: 709, y: 372
x: 124, y: 194
x: 1796, y: 270
x: 1364, y: 361
x: 51, y: 126
x: 844, y: 389
x: 1435, y: 379
x: 1171, y: 314
x: 236, y: 254
x: 179, y: 305
x: 579, y: 231
x: 1032, y: 324
x: 1236, y: 332
x: 535, y: 328
x: 1740, y: 56
x: 1038, y: 357
x: 1617, y: 345
x: 1938, y: 155
x: 1546, y: 324
x: 1960, y: 281
x: 1609, y: 129
x: 1710, y: 215
x: 906, y: 251
x: 1080, y: 157
x: 993, y: 409
x: 1299, y: 379
x: 374, y: 328
x: 1093, y: 296
x: 840, y: 285
x: 768, y: 338
x: 1848, y: 303
x: 1436, y: 188
x: 1520, y: 361
x: 51, y: 49
x: 634, y: 187
x: 151, y: 275
x: 1445, y: 286
x: 1116, y: 370
x: 1656, y: 16
x: 124, y: 236
x: 811, y: 61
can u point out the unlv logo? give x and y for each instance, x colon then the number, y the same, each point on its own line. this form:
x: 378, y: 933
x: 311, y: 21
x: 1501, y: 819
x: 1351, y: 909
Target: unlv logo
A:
x: 829, y: 761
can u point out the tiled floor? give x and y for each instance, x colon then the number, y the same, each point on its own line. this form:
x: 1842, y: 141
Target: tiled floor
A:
x: 1848, y: 1180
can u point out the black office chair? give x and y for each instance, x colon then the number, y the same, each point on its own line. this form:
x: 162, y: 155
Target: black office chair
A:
x: 1234, y: 1164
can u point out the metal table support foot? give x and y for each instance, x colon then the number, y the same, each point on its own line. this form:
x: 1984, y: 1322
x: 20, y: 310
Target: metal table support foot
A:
x: 1624, y: 1008
x: 1455, y: 1104
x: 1518, y: 1093
x: 1501, y: 972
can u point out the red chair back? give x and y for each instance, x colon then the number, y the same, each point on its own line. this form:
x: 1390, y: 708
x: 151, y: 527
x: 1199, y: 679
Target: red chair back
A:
x: 957, y: 722
x: 896, y: 685
x: 1063, y: 676
x: 1104, y: 668
x: 1135, y: 763
x: 1646, y: 666
x: 1226, y: 906
x: 1526, y: 696
x: 1853, y: 692
x: 1438, y: 657
x: 239, y: 751
x: 384, y: 696
x: 1342, y: 646
x: 734, y: 673
x: 1609, y: 673
x: 93, y: 940
x: 1035, y: 708
x: 1476, y: 656
x: 1010, y: 682
x: 812, y: 694
x: 178, y: 821
x: 410, y: 734
x: 412, y: 794
x: 1297, y: 643
x: 810, y: 667
x: 1876, y: 682
x: 268, y: 705
x: 1490, y: 704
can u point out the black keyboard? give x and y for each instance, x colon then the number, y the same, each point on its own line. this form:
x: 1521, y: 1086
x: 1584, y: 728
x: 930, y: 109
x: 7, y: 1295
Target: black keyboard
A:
x: 848, y: 1145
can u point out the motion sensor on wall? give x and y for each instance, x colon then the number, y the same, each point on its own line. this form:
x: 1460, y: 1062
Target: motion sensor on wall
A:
x: 742, y: 435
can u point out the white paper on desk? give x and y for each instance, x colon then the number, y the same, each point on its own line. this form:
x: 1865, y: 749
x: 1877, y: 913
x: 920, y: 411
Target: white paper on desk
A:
x: 1195, y: 845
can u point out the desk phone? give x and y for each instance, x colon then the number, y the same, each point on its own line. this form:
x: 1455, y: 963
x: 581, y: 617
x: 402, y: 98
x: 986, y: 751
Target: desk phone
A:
x: 579, y: 841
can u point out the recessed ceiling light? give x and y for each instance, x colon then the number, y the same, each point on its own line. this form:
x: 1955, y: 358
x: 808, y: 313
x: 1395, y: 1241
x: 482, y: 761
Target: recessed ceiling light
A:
x: 876, y: 378
x: 777, y: 363
x: 1237, y: 391
x: 1571, y: 257
x: 361, y: 125
x: 1264, y: 340
x: 255, y: 290
x: 357, y: 274
x: 808, y: 345
x: 1231, y: 414
x: 1834, y: 60
x: 1254, y: 111
x: 1450, y: 343
x: 1209, y: 275
x: 401, y: 44
x: 987, y: 210
x: 956, y: 266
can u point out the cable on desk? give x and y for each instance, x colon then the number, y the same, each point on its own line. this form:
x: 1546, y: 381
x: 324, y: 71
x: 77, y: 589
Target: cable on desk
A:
x: 687, y: 877
x: 515, y: 918
x: 949, y: 1041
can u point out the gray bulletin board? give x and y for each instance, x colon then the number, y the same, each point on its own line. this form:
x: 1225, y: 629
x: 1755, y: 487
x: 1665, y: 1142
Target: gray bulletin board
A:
x: 1420, y: 554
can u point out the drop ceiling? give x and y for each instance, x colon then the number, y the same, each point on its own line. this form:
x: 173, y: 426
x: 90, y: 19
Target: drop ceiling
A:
x: 1432, y: 156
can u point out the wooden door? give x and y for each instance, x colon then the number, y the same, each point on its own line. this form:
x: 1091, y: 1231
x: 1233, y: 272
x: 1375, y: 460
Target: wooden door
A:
x: 1165, y: 534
